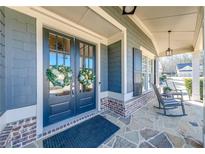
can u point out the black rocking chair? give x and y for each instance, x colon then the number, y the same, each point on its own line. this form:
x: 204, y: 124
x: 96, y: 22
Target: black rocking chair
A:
x: 169, y: 103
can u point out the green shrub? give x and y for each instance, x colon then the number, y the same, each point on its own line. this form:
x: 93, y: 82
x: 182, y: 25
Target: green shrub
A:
x: 188, y: 85
x: 163, y: 78
x: 166, y: 89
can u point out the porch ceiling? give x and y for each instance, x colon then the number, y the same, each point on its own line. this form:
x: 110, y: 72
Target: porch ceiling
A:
x: 87, y: 18
x: 181, y: 21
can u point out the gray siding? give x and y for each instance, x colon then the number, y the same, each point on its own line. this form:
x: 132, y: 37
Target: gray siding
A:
x: 20, y: 59
x: 114, y: 67
x: 104, y: 67
x: 135, y: 38
x: 2, y: 60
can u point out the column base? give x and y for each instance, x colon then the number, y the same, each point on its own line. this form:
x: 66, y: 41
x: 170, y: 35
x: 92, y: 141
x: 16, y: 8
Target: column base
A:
x: 195, y: 97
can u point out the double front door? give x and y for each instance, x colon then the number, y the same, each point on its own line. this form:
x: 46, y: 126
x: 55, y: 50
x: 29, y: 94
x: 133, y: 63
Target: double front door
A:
x: 62, y: 102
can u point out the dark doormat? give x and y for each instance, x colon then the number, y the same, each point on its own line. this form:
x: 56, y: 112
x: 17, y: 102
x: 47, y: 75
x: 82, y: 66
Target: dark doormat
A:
x: 88, y: 134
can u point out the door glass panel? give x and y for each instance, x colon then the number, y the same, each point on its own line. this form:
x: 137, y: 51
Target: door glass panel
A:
x: 91, y: 57
x: 52, y: 41
x: 81, y: 49
x: 67, y: 60
x: 60, y: 44
x: 59, y: 56
x: 90, y: 63
x: 67, y: 45
x: 86, y: 61
x: 52, y: 58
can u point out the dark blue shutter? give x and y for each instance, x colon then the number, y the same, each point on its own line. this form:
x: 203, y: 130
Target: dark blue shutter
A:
x: 137, y: 72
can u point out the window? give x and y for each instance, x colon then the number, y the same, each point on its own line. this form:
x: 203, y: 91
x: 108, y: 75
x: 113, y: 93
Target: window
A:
x: 147, y: 73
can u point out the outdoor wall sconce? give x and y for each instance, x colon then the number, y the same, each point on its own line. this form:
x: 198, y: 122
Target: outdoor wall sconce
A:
x: 128, y: 10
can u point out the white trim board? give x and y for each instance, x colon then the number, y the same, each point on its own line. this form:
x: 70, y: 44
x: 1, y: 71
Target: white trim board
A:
x: 17, y: 114
x: 118, y: 96
x: 147, y: 53
x: 115, y: 38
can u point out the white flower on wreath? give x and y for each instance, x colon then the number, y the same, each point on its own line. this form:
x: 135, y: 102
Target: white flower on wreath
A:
x: 82, y: 78
x: 69, y: 75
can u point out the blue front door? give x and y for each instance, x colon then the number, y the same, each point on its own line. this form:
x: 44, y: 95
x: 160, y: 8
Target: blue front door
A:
x: 62, y: 102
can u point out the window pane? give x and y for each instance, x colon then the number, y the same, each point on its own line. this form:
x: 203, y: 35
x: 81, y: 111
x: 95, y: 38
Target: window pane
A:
x: 60, y: 43
x: 60, y: 59
x: 52, y: 58
x: 52, y: 41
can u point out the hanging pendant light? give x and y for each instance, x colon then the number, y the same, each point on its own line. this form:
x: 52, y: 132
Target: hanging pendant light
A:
x: 169, y: 51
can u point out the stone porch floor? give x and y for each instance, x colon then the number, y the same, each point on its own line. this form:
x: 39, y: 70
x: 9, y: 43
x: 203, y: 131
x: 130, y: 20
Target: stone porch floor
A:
x: 148, y: 129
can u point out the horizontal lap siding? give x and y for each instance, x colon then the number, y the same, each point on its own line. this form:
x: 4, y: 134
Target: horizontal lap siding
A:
x: 20, y: 59
x: 135, y: 38
x: 2, y: 60
x: 104, y: 67
x: 114, y: 67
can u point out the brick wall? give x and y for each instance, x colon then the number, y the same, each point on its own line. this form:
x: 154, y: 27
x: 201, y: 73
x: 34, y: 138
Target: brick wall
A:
x: 19, y: 133
x: 127, y: 108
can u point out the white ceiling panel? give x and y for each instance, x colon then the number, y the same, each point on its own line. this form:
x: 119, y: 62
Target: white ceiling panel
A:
x: 180, y: 20
x: 176, y: 23
x: 151, y: 12
x: 87, y: 18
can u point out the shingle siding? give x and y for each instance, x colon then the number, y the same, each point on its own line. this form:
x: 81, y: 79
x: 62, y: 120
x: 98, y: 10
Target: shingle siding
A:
x: 135, y: 38
x: 20, y: 59
x: 104, y: 67
x: 2, y: 60
x: 114, y: 67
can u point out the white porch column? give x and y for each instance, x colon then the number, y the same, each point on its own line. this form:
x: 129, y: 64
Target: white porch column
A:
x: 195, y: 76
x: 157, y: 71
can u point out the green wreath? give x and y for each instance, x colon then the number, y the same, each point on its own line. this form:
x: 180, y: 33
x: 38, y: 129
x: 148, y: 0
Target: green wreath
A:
x: 59, y: 75
x: 86, y: 77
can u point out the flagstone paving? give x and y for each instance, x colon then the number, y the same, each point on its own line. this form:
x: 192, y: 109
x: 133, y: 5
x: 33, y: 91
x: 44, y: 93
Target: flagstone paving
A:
x: 146, y: 128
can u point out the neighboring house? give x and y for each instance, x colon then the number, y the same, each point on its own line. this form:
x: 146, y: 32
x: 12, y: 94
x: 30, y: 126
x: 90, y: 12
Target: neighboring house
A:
x: 101, y: 39
x: 185, y: 70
